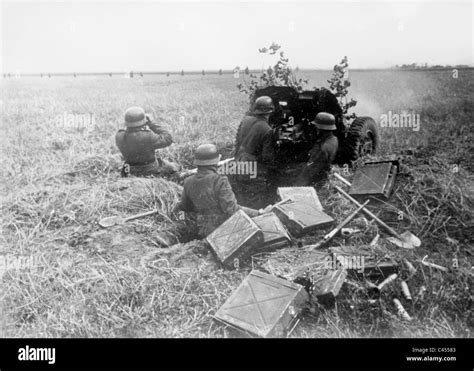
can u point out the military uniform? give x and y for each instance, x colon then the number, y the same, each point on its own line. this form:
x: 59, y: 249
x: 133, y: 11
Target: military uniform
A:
x: 138, y: 143
x: 254, y: 142
x: 209, y: 198
x: 321, y: 157
x: 323, y: 153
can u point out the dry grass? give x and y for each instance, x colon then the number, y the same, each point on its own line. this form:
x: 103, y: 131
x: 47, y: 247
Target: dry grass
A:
x: 88, y: 282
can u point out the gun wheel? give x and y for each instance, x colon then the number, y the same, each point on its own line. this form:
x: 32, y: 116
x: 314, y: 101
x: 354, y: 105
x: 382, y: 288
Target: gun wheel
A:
x: 362, y: 139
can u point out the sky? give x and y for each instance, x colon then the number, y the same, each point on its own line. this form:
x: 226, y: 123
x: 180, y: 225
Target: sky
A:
x: 111, y: 36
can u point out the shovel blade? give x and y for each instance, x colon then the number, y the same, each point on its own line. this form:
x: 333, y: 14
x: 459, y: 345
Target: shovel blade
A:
x: 408, y: 241
x: 411, y: 239
x: 110, y: 221
x: 400, y: 243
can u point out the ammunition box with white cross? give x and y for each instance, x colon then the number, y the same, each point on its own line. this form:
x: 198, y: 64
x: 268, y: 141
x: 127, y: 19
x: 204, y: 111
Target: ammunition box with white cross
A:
x: 275, y: 234
x: 300, y: 217
x: 233, y: 241
x: 263, y: 306
x: 375, y: 180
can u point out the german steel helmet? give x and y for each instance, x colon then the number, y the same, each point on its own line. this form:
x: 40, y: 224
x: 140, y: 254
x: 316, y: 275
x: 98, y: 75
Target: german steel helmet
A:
x: 206, y: 155
x: 263, y: 105
x: 135, y: 117
x: 325, y: 121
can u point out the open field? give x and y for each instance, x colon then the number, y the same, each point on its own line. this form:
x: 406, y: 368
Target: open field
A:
x: 86, y: 282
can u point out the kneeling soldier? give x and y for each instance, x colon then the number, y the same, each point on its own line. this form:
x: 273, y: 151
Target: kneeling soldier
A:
x: 323, y: 153
x: 207, y: 196
x: 138, y: 143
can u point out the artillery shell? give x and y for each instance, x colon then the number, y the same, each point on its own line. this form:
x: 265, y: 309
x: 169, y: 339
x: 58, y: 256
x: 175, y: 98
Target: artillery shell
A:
x: 410, y: 266
x: 371, y: 285
x: 406, y: 290
x: 433, y: 265
x: 401, y: 311
x: 375, y: 240
x: 389, y: 279
x: 421, y: 292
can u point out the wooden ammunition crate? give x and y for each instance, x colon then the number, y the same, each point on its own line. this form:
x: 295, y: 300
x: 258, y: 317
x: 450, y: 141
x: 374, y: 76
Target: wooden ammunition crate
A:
x: 304, y: 194
x: 235, y: 239
x: 326, y: 288
x: 275, y: 234
x: 374, y: 179
x: 301, y: 217
x: 264, y: 306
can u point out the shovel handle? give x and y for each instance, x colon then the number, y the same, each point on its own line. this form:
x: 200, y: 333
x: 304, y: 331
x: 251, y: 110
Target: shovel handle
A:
x: 368, y: 213
x: 344, y: 180
x: 331, y: 234
x: 345, y: 221
x: 151, y: 212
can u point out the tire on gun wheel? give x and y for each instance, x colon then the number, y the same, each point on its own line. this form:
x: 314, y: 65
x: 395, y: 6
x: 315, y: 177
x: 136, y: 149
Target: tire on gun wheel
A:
x: 362, y: 139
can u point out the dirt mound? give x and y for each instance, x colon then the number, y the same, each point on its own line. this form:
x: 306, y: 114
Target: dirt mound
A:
x: 96, y: 166
x: 132, y: 193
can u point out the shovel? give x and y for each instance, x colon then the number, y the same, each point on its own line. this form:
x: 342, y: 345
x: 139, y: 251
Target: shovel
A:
x: 110, y: 221
x: 331, y: 234
x: 406, y: 240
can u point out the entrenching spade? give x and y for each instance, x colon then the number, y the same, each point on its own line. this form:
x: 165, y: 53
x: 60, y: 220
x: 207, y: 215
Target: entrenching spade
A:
x: 406, y: 239
x: 110, y: 221
x: 331, y: 234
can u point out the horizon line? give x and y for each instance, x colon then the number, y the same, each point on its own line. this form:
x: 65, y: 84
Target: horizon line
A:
x: 225, y: 71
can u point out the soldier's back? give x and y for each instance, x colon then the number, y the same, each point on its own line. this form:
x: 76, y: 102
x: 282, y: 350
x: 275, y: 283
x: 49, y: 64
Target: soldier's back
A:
x: 134, y: 146
x: 200, y: 188
x: 250, y: 136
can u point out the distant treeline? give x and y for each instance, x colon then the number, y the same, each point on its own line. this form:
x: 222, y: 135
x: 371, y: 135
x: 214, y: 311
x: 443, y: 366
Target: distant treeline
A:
x: 416, y: 66
x: 132, y: 74
x: 246, y: 71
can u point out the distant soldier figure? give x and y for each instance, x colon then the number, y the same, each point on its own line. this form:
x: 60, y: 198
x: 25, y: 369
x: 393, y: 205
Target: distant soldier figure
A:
x: 207, y: 196
x: 138, y: 143
x: 323, y: 153
x: 254, y: 142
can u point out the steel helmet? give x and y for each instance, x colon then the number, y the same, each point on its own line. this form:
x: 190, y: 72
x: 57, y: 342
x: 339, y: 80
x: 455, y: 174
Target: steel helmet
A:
x: 325, y: 121
x: 206, y: 155
x: 263, y: 105
x: 135, y: 117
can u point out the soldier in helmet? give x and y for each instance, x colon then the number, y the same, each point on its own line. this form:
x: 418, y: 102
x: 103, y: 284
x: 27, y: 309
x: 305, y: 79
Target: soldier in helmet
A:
x: 254, y: 135
x: 323, y: 153
x: 207, y: 196
x: 138, y: 143
x: 254, y: 142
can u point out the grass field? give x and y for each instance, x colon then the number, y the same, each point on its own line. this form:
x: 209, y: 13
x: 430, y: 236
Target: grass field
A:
x: 82, y: 281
